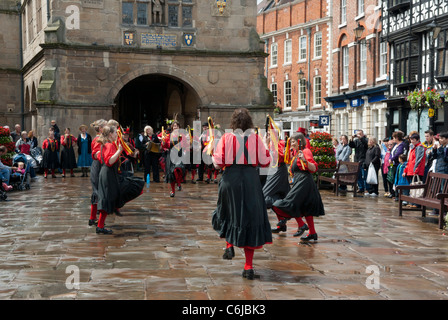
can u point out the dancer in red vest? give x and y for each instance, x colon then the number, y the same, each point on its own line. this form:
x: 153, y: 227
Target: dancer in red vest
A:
x: 303, y: 200
x: 95, y: 170
x: 241, y: 215
x: 174, y: 172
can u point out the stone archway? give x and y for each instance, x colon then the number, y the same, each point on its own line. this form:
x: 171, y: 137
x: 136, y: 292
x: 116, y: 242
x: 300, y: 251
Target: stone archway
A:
x: 150, y: 99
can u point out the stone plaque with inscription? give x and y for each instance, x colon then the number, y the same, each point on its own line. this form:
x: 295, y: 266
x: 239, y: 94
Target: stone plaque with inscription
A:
x: 98, y: 4
x: 158, y: 40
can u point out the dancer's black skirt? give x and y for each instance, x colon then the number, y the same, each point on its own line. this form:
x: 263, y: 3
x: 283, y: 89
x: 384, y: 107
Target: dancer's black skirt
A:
x: 50, y: 159
x: 94, y: 176
x: 276, y: 186
x: 303, y: 199
x: 68, y: 158
x: 241, y: 215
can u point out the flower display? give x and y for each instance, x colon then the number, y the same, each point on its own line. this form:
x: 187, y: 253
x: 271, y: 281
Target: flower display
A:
x: 420, y: 99
x: 322, y: 150
x: 6, y: 140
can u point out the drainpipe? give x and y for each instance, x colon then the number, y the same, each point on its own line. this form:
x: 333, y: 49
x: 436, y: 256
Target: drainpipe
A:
x: 48, y: 10
x: 308, y: 31
x: 22, y: 85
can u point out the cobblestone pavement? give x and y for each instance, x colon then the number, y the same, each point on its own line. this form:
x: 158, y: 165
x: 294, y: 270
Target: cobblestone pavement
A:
x: 165, y: 248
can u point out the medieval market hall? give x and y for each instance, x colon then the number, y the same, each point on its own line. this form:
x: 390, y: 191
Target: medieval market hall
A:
x: 138, y: 61
x: 335, y: 66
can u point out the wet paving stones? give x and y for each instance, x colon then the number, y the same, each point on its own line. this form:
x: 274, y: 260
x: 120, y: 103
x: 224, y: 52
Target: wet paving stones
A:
x: 165, y: 248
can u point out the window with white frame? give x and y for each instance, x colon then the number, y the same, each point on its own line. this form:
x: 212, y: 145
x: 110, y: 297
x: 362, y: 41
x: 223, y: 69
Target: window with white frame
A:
x: 345, y: 62
x: 288, y: 51
x: 383, y: 58
x: 362, y: 62
x: 302, y: 94
x: 317, y: 91
x: 274, y: 93
x: 318, y: 45
x: 360, y: 7
x: 274, y: 54
x: 288, y: 96
x: 302, y: 48
x: 343, y: 11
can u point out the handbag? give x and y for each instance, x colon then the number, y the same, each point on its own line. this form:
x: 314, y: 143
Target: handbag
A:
x: 416, y: 193
x: 391, y: 174
x: 371, y: 175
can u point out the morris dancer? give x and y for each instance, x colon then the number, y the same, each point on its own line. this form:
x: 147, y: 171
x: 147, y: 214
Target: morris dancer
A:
x: 241, y: 215
x: 303, y: 200
x: 68, y: 159
x: 50, y: 158
x: 174, y: 172
x: 95, y: 170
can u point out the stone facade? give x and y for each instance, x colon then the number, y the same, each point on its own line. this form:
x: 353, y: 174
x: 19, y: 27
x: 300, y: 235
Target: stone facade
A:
x: 82, y: 60
x: 10, y: 65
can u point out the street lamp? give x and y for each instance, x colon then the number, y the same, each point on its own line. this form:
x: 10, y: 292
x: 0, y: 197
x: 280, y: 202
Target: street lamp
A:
x: 358, y: 31
x: 434, y: 30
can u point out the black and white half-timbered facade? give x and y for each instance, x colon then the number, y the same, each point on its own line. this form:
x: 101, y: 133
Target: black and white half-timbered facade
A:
x: 417, y: 33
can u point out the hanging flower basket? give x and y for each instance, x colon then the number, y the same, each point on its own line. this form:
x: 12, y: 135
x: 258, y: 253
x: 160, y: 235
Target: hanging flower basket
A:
x: 323, y: 151
x: 5, y: 140
x: 421, y: 99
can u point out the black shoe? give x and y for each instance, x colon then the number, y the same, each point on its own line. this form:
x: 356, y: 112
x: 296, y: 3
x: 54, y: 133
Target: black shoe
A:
x: 193, y: 182
x: 199, y: 179
x: 93, y: 222
x: 171, y: 194
x: 281, y: 226
x: 301, y: 230
x: 103, y: 231
x: 229, y: 253
x: 207, y: 180
x: 309, y: 237
x: 179, y: 188
x: 249, y: 274
x: 215, y: 181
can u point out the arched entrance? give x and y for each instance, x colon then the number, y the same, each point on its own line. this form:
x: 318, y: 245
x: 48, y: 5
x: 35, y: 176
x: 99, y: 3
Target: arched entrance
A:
x: 151, y: 99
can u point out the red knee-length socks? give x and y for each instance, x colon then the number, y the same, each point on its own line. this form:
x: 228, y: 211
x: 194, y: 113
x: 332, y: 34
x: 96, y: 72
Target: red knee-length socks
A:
x: 173, y: 186
x: 310, y: 221
x: 93, y: 211
x: 215, y: 174
x: 102, y: 219
x: 249, y: 253
x: 192, y: 174
x: 178, y: 176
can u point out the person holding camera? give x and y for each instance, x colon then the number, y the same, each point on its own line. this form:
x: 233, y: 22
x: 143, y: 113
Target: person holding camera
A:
x: 359, y: 142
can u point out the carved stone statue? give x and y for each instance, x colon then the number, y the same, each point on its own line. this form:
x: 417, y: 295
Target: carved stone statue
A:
x: 157, y: 11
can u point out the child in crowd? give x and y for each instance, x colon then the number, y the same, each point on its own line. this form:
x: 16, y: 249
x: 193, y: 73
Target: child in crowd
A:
x: 388, y: 186
x: 20, y: 169
x: 399, y: 179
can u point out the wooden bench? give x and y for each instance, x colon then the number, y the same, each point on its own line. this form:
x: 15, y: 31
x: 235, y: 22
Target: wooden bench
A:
x: 435, y: 195
x: 345, y: 174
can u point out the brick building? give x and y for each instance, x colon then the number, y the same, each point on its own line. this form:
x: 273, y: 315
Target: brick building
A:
x: 359, y: 68
x: 137, y: 61
x: 297, y: 36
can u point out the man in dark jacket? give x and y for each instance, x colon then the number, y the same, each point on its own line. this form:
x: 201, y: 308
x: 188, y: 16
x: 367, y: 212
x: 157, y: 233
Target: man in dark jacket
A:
x: 440, y: 154
x: 359, y: 142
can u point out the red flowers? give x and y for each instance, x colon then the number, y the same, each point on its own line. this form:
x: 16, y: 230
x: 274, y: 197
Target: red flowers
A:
x: 4, y: 132
x: 322, y: 150
x: 5, y: 140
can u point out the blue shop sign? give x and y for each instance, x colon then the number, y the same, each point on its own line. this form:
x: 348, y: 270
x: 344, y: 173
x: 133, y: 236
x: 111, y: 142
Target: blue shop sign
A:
x: 324, y: 121
x: 356, y: 102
